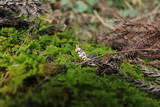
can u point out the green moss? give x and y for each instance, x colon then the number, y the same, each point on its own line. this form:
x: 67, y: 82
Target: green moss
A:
x: 132, y: 71
x: 29, y: 79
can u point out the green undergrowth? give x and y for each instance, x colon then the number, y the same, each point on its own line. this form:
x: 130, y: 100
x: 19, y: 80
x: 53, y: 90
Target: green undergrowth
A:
x: 43, y: 70
x: 132, y: 71
x: 138, y: 74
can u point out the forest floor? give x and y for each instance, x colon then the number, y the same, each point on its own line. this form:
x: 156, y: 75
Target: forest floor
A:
x: 82, y: 53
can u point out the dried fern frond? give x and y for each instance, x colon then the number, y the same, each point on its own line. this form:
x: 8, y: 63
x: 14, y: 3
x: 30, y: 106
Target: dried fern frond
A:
x: 147, y: 86
x: 133, y: 35
x: 23, y: 8
x: 11, y: 12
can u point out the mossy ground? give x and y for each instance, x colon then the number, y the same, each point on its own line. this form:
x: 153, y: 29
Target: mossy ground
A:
x: 43, y: 70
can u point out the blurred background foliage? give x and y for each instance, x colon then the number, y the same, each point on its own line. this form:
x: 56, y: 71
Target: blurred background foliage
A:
x: 89, y: 5
x: 79, y: 14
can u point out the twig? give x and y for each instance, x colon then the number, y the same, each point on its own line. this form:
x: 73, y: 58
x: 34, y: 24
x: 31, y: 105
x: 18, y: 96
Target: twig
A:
x: 102, y: 22
x: 132, y: 50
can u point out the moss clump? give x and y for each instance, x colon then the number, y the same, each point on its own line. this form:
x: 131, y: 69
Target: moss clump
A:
x: 132, y: 71
x: 44, y: 71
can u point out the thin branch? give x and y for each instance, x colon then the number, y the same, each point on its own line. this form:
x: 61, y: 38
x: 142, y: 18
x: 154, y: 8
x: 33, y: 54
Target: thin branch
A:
x: 121, y: 52
x: 103, y: 22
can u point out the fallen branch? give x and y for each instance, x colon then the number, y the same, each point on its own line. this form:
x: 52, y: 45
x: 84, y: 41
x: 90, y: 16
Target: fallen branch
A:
x: 103, y: 22
x: 121, y: 52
